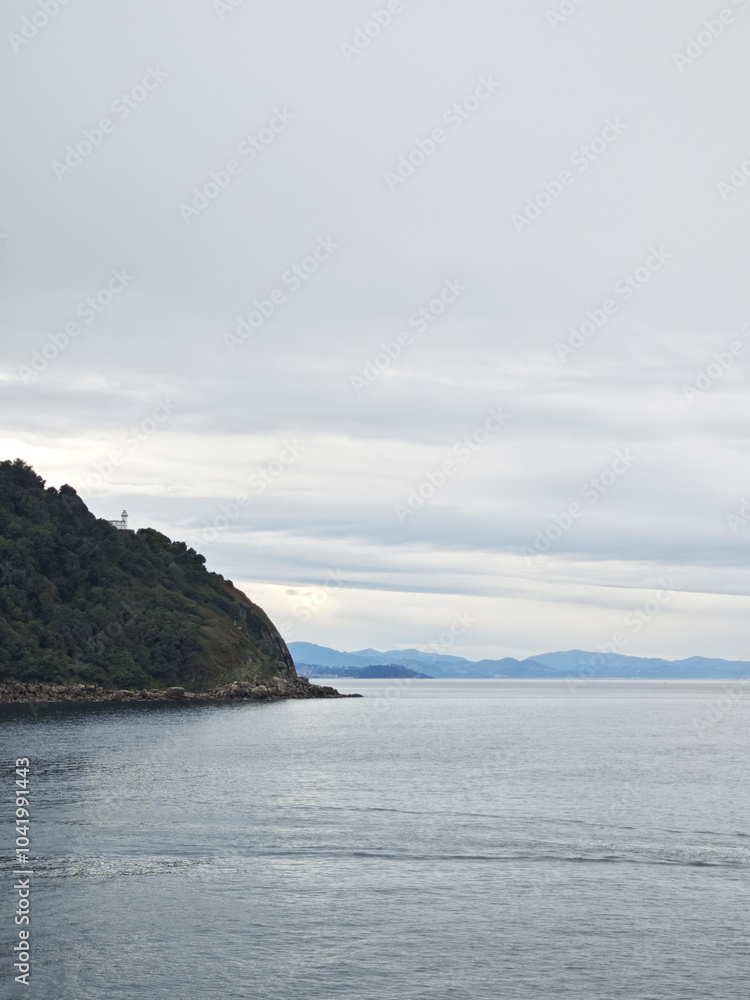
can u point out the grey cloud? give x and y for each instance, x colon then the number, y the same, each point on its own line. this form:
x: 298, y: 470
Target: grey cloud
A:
x: 347, y: 122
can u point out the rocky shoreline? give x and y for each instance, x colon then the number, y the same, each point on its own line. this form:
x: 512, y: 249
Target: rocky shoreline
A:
x: 273, y: 689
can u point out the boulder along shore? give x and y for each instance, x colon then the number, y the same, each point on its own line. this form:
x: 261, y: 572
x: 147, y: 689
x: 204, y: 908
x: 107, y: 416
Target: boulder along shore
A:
x: 14, y: 692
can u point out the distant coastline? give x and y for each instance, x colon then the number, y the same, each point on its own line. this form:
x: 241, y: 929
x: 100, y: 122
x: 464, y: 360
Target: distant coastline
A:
x: 375, y: 671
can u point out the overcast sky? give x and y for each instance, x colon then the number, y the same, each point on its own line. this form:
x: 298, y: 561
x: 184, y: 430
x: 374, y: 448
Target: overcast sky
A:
x: 220, y: 222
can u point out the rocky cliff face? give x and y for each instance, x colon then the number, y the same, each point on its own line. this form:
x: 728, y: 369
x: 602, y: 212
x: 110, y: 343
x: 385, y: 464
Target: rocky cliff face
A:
x: 83, y: 604
x: 36, y: 696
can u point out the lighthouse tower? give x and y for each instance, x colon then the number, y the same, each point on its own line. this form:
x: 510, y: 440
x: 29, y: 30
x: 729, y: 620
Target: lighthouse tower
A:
x: 122, y: 524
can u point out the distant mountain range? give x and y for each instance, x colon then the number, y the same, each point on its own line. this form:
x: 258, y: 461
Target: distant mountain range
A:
x: 571, y: 663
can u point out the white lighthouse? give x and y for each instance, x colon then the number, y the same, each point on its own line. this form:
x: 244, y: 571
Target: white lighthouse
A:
x: 122, y: 524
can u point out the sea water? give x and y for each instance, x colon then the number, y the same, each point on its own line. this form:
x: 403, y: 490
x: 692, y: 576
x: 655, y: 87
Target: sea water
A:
x: 432, y: 840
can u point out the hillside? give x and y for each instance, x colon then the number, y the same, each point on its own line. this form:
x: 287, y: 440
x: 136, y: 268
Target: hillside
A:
x: 83, y: 602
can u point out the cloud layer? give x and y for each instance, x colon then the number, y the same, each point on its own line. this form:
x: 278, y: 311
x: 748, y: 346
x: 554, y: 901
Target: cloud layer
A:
x: 273, y: 270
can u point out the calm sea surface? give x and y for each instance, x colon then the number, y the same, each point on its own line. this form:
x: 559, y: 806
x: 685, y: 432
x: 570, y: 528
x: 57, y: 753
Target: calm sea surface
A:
x: 433, y: 840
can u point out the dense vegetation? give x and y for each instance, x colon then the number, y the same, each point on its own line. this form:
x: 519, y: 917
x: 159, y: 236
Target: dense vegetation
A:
x: 82, y: 601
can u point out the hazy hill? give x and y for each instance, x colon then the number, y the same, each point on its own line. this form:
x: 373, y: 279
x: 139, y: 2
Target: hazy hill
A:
x: 433, y: 664
x: 375, y: 671
x: 570, y: 663
x: 81, y: 600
